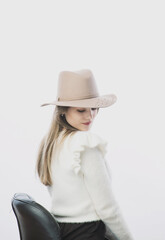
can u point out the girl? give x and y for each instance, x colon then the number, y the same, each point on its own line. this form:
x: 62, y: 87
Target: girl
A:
x: 71, y: 163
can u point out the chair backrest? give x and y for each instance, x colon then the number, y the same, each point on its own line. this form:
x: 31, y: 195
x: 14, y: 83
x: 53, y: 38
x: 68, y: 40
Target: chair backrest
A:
x: 34, y: 221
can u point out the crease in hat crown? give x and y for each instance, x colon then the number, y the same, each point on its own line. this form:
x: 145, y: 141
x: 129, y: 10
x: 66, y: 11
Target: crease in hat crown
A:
x: 79, y: 89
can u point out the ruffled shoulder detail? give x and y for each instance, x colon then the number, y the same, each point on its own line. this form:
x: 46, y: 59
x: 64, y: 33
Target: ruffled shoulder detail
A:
x: 82, y: 140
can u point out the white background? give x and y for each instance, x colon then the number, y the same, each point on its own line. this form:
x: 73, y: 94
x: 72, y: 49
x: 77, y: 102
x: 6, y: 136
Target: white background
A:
x: 123, y: 43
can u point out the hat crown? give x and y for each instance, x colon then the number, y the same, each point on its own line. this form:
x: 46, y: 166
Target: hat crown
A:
x: 76, y: 85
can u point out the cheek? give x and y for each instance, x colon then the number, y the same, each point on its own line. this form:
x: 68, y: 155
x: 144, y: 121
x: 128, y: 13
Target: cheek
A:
x: 68, y: 117
x: 74, y: 118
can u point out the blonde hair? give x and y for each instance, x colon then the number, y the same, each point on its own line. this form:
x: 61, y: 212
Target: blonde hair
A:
x: 44, y: 157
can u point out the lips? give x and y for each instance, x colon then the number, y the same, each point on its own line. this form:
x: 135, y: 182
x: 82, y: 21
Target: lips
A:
x: 87, y: 123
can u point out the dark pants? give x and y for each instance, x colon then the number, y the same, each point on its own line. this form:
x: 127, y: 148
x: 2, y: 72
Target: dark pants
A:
x: 83, y: 231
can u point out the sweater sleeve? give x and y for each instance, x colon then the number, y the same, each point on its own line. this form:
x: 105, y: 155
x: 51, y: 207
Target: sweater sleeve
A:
x: 98, y: 185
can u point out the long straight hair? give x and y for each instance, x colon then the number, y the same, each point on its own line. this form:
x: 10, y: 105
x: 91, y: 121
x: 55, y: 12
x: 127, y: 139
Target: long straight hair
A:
x: 45, y: 151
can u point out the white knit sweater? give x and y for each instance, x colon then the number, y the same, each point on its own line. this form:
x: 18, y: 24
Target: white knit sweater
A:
x: 81, y: 189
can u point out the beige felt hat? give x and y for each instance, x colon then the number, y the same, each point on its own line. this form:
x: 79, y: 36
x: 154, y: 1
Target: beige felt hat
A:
x: 78, y: 89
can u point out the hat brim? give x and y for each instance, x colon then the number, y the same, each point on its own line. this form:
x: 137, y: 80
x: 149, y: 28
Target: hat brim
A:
x: 98, y: 102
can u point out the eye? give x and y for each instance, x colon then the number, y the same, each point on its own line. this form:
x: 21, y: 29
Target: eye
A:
x: 93, y: 109
x: 81, y: 111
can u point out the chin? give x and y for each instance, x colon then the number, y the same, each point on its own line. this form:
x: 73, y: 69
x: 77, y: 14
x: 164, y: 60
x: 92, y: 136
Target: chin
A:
x: 86, y: 128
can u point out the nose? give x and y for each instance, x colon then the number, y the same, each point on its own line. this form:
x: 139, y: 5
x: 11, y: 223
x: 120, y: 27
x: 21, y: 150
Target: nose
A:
x: 89, y: 114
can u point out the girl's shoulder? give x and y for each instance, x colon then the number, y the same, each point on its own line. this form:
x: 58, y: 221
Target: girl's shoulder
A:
x: 87, y: 138
x: 81, y: 141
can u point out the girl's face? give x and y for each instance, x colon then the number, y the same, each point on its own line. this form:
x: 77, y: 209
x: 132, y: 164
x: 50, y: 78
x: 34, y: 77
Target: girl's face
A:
x: 81, y: 118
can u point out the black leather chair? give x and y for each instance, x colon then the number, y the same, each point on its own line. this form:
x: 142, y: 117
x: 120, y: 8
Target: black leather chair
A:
x: 34, y: 221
